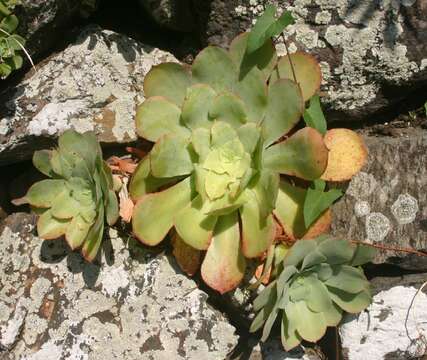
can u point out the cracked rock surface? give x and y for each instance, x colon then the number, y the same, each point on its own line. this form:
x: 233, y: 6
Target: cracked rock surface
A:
x: 94, y: 84
x: 386, y: 203
x: 135, y: 305
x: 393, y: 327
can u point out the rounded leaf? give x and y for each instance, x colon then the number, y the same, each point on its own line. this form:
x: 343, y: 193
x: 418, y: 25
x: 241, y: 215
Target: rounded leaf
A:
x: 352, y: 303
x: 347, y: 154
x: 284, y: 109
x: 154, y: 214
x: 213, y: 66
x: 77, y: 231
x: 157, y: 116
x: 187, y: 257
x: 193, y: 226
x: 169, y: 80
x: 224, y: 264
x: 112, y: 208
x: 228, y: 108
x: 41, y: 161
x: 303, y: 155
x: 49, y: 227
x: 307, y: 71
x: 311, y: 326
x: 65, y: 206
x: 195, y: 109
x: 44, y: 193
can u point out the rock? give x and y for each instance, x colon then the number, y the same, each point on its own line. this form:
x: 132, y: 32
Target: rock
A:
x: 94, y: 84
x: 386, y: 203
x: 134, y: 305
x: 175, y: 15
x: 43, y: 22
x: 394, y: 327
x: 373, y: 54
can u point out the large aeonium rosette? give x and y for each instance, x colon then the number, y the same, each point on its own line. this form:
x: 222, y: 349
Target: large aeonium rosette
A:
x: 214, y: 172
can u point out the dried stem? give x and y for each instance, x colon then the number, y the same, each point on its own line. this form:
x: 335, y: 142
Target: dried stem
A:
x: 391, y: 248
x: 289, y: 58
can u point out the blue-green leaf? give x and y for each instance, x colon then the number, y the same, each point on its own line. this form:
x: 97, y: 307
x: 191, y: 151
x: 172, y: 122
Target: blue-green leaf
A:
x: 313, y: 115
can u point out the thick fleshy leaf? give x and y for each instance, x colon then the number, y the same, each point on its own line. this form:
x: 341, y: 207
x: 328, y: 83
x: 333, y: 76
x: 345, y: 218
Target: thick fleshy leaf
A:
x: 65, y: 206
x: 311, y: 326
x: 307, y: 71
x: 222, y: 133
x: 49, y: 227
x: 94, y: 237
x: 224, y: 205
x: 265, y: 58
x: 229, y: 108
x: 193, y: 226
x: 252, y: 89
x: 195, y: 109
x: 249, y: 135
x: 313, y: 115
x: 333, y: 315
x: 224, y: 264
x: 269, y: 323
x: 154, y: 214
x: 170, y: 80
x: 44, y: 193
x: 41, y: 160
x: 158, y: 116
x: 347, y: 278
x: 266, y: 296
x: 363, y: 254
x: 289, y: 336
x: 321, y: 226
x: 303, y: 155
x: 60, y: 165
x: 284, y: 109
x: 257, y: 232
x: 352, y: 303
x: 213, y: 66
x: 112, y: 208
x: 9, y: 24
x: 265, y: 305
x: 170, y: 157
x: 201, y: 140
x: 77, y: 231
x: 142, y: 182
x: 298, y: 251
x: 347, y: 154
x: 266, y: 188
x: 336, y: 251
x: 312, y: 259
x: 319, y: 299
x: 289, y: 209
x: 188, y: 258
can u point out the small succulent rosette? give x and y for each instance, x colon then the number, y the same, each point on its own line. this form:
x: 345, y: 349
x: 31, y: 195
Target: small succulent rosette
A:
x: 319, y: 279
x: 226, y: 152
x: 79, y: 196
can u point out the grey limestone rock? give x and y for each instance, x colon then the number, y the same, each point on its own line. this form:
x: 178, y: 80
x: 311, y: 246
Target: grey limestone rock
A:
x: 130, y: 305
x: 94, y: 84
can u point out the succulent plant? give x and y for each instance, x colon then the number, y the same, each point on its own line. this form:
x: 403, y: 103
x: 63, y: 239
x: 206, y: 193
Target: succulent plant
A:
x: 224, y: 134
x: 11, y: 44
x: 318, y: 280
x: 79, y: 196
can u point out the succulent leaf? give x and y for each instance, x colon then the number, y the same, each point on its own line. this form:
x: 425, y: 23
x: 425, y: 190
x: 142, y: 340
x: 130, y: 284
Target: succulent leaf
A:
x: 195, y: 109
x: 285, y: 107
x: 154, y: 213
x: 170, y: 157
x: 309, y: 293
x: 347, y: 154
x: 41, y: 161
x: 44, y: 193
x: 224, y: 264
x: 304, y: 155
x: 187, y: 257
x: 313, y: 115
x: 213, y: 66
x: 307, y: 72
x: 77, y: 232
x: 228, y: 108
x: 49, y: 227
x: 158, y: 116
x: 169, y: 80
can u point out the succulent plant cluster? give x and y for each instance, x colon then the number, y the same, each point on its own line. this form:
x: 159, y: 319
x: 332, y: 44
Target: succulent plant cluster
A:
x: 11, y: 44
x: 318, y: 280
x: 79, y: 196
x: 225, y: 136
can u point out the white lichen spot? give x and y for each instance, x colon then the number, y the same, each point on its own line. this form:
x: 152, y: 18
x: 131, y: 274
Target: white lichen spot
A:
x: 336, y: 35
x: 405, y: 209
x: 306, y: 36
x: 362, y: 185
x: 326, y: 71
x: 114, y: 279
x: 377, y: 227
x: 54, y: 117
x: 362, y: 208
x: 4, y: 127
x: 387, y: 327
x: 423, y: 64
x: 9, y: 334
x: 34, y: 326
x: 48, y: 351
x: 323, y: 17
